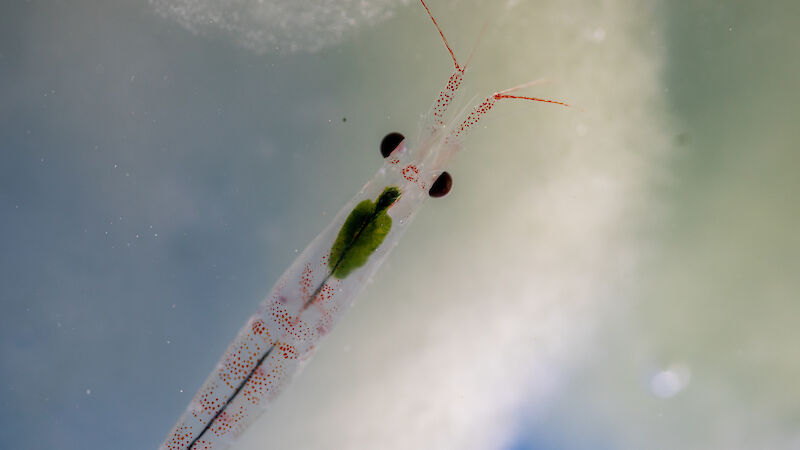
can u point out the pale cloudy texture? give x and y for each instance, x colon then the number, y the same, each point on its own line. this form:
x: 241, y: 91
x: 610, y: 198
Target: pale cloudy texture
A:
x: 282, y: 26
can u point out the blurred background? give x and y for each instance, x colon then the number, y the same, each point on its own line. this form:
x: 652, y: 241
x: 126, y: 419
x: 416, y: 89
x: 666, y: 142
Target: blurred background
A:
x: 618, y: 275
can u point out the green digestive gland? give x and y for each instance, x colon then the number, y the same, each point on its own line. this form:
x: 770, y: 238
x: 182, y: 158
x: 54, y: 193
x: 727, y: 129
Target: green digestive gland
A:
x: 362, y: 233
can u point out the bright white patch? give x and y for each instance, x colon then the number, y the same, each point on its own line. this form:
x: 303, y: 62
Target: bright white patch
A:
x: 280, y: 26
x: 597, y: 35
x: 671, y: 381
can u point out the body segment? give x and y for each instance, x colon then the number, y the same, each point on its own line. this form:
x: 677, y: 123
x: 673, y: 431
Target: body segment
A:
x: 301, y: 309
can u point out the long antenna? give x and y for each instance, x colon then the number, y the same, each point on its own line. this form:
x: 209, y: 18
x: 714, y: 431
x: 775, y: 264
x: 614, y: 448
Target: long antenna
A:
x: 504, y: 93
x: 477, y: 41
x: 499, y: 96
x: 485, y: 106
x: 441, y: 33
x: 524, y: 85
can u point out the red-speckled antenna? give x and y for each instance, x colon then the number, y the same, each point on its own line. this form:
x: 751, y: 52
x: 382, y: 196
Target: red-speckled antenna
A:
x: 485, y: 106
x: 447, y: 94
x: 499, y: 96
x: 503, y: 93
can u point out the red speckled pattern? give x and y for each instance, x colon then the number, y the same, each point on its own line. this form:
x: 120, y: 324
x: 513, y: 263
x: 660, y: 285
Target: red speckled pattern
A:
x: 288, y: 326
x: 475, y: 115
x: 446, y: 97
x: 280, y: 328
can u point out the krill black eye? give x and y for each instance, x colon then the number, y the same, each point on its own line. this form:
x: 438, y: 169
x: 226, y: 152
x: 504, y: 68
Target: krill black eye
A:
x: 390, y: 142
x: 441, y: 186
